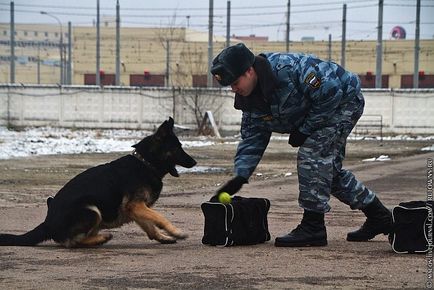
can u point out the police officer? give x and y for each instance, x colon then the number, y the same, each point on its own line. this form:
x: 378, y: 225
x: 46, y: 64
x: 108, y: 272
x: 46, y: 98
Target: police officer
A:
x: 318, y: 103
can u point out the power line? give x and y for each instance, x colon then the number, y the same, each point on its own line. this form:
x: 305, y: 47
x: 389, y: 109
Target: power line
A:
x: 240, y: 17
x: 171, y: 15
x: 216, y: 8
x: 407, y: 5
x: 254, y: 14
x: 199, y: 16
x: 186, y: 8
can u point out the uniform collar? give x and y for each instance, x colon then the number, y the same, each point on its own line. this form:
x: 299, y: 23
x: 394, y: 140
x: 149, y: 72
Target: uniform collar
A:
x: 260, y: 98
x: 267, y: 80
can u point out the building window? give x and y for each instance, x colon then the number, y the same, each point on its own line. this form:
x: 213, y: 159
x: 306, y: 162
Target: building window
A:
x: 56, y: 34
x: 36, y: 33
x: 25, y: 33
x: 5, y: 32
x: 46, y: 34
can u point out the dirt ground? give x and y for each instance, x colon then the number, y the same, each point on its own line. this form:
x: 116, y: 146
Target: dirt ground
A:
x: 132, y: 261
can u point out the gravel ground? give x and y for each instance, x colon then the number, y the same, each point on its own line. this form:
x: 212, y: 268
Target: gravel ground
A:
x: 132, y: 261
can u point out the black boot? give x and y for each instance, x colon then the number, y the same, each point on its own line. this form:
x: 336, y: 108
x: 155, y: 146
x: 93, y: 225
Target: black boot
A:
x: 310, y: 232
x: 379, y: 221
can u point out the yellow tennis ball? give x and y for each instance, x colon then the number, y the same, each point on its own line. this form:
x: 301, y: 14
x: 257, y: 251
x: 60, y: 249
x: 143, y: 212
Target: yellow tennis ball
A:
x: 225, y: 198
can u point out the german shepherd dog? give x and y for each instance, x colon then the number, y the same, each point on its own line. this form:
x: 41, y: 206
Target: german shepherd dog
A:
x: 110, y: 195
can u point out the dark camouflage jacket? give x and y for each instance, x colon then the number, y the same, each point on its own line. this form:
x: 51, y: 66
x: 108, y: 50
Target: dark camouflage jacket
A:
x: 293, y: 91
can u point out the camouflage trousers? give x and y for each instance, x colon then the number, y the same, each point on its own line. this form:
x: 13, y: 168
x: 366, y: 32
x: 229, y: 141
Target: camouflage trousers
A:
x: 319, y: 164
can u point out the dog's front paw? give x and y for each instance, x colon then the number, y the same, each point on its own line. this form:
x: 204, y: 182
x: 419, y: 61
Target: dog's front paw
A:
x: 107, y: 236
x: 180, y: 235
x: 167, y: 240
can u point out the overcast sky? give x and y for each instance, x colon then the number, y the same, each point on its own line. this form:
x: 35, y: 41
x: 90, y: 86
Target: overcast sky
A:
x: 315, y: 18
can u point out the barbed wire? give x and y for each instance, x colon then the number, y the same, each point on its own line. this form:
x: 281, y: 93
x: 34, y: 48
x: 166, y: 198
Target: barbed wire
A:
x: 283, y: 6
x: 240, y: 19
x: 282, y: 9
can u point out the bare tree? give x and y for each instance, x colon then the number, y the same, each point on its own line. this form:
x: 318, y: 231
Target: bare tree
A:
x: 192, y: 60
x: 169, y: 37
x: 198, y: 100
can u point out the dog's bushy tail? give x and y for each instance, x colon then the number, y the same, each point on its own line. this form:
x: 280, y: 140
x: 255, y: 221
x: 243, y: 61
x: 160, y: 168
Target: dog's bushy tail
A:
x: 32, y: 238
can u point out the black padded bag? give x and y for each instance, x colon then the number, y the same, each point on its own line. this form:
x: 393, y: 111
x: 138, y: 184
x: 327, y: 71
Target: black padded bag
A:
x: 412, y: 222
x: 242, y: 222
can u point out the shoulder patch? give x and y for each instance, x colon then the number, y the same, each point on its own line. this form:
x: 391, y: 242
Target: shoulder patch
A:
x: 312, y: 80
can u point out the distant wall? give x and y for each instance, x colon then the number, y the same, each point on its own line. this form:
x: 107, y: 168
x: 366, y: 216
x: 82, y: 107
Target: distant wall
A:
x: 402, y: 111
x: 142, y: 49
x: 111, y: 107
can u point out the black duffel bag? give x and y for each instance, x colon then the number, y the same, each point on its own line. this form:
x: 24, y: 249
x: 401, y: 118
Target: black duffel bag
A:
x: 412, y: 227
x: 241, y: 222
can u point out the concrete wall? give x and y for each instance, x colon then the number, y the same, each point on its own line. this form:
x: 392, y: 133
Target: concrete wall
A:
x: 111, y: 107
x: 403, y: 111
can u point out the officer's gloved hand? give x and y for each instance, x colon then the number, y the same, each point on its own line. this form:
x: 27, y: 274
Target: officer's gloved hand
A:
x: 296, y: 138
x: 233, y: 185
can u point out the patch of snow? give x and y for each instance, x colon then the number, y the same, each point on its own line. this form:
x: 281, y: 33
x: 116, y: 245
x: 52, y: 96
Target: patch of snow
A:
x: 48, y: 140
x: 380, y: 158
x: 362, y: 137
x: 391, y: 138
x: 369, y: 159
x: 199, y: 169
x: 188, y: 144
x: 231, y: 143
x: 429, y: 148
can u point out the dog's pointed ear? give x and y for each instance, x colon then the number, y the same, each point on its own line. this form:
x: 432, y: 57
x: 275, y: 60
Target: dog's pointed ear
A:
x: 165, y: 129
x: 171, y: 123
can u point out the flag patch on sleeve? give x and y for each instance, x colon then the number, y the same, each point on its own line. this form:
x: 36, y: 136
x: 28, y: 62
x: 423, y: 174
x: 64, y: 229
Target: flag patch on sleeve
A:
x: 312, y: 80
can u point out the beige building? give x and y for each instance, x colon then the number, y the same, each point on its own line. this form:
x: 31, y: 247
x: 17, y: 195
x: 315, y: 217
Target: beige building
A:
x: 151, y: 51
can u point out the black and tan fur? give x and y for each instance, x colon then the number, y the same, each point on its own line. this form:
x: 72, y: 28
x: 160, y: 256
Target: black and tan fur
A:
x: 110, y: 195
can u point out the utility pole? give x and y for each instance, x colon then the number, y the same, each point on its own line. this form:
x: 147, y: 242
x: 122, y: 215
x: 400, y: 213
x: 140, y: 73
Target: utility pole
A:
x: 69, y: 65
x: 378, y: 72
x: 416, y: 48
x: 61, y: 50
x: 62, y: 77
x: 287, y: 25
x: 210, y: 42
x: 344, y: 35
x: 330, y: 47
x: 167, y: 62
x: 97, y: 74
x: 64, y: 65
x: 118, y: 46
x: 12, y: 42
x: 38, y: 65
x: 228, y: 24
